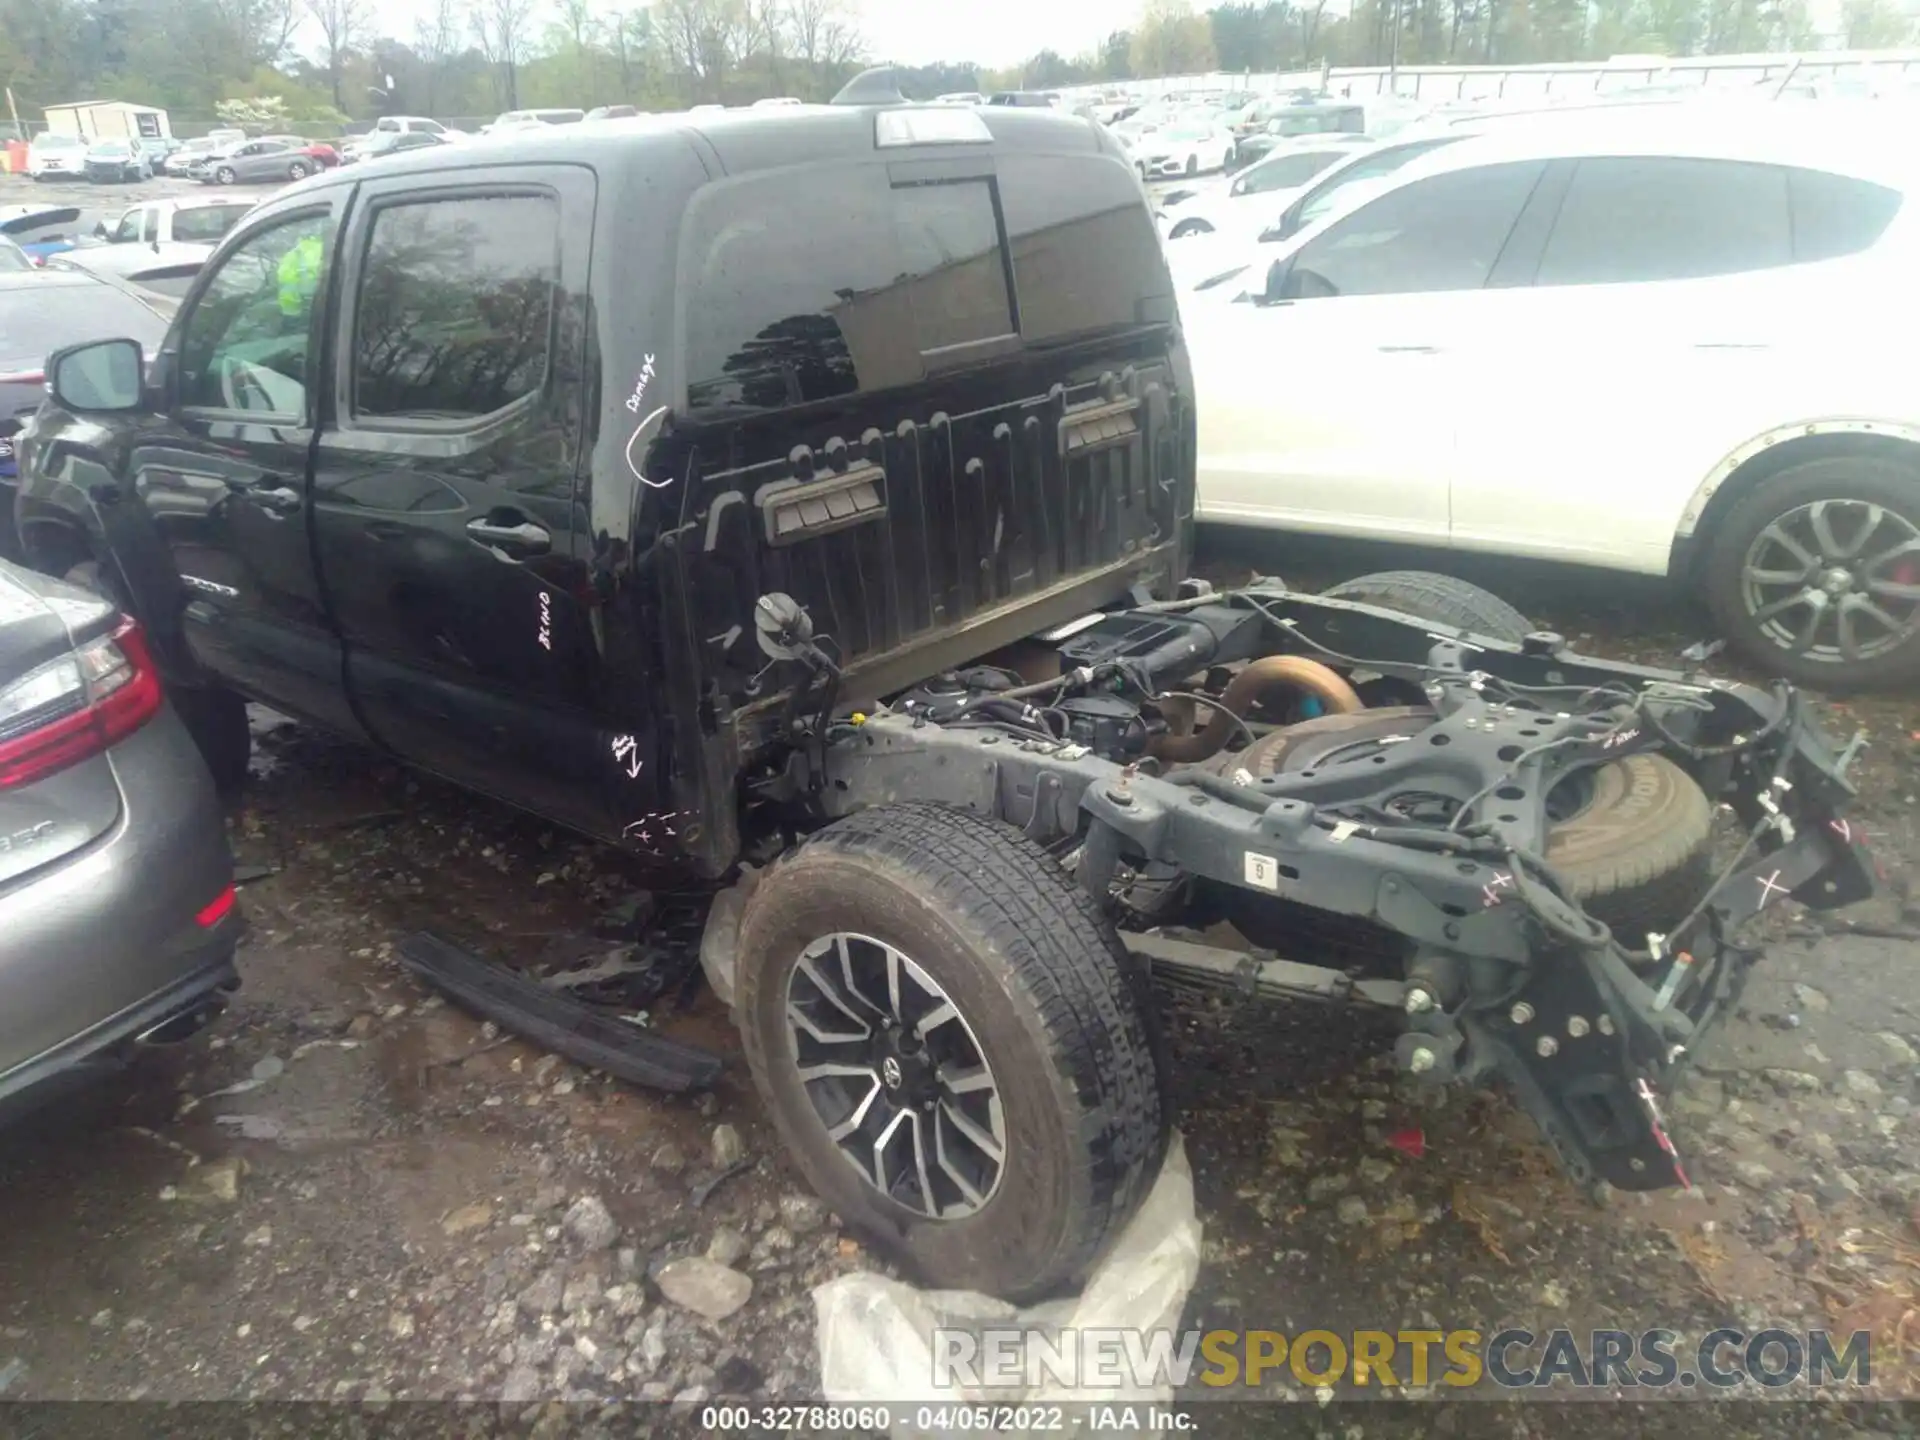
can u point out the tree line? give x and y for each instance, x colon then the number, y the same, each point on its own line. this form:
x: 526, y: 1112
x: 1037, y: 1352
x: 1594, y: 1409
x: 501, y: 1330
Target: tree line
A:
x: 331, y: 62
x: 1172, y: 37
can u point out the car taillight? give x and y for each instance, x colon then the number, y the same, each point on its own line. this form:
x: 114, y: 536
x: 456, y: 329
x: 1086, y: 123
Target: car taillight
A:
x: 77, y: 706
x: 216, y: 910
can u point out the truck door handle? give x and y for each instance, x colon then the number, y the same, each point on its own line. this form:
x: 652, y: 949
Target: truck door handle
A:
x: 519, y: 539
x: 271, y: 493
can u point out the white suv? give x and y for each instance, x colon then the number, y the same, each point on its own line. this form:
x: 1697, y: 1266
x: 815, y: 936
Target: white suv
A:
x: 1672, y: 343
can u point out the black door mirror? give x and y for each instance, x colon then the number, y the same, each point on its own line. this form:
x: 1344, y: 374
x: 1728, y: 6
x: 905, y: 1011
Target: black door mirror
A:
x: 100, y: 378
x: 100, y: 230
x: 1279, y: 288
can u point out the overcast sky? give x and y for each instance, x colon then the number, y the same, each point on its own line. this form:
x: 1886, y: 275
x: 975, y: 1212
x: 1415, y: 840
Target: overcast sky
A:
x: 992, y: 32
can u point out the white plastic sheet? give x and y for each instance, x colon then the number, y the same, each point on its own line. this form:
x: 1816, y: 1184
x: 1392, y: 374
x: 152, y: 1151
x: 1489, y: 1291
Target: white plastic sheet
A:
x: 877, y: 1335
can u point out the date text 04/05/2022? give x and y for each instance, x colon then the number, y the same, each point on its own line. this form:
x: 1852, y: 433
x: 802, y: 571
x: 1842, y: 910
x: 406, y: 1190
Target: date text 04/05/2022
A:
x: 949, y: 1419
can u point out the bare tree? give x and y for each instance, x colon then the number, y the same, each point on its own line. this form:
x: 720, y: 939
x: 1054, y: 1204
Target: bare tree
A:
x: 343, y: 25
x: 632, y: 34
x: 706, y: 39
x: 261, y: 29
x: 436, y: 40
x: 582, y: 26
x: 824, y: 32
x: 500, y: 27
x: 766, y: 27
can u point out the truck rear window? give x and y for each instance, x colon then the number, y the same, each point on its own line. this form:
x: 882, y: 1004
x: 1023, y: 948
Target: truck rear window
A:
x: 808, y: 285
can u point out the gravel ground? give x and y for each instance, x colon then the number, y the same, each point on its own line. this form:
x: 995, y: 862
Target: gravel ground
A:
x: 350, y: 1190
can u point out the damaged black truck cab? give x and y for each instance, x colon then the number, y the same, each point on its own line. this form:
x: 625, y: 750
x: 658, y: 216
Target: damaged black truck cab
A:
x: 801, y: 502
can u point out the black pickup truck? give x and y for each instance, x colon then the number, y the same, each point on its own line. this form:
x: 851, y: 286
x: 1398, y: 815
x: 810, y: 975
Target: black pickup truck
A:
x: 800, y: 501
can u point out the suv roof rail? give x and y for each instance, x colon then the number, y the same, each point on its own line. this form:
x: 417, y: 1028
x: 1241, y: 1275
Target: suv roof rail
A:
x: 877, y: 86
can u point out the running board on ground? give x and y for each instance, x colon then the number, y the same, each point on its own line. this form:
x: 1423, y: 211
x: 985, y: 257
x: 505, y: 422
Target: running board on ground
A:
x: 1257, y: 977
x: 558, y: 1022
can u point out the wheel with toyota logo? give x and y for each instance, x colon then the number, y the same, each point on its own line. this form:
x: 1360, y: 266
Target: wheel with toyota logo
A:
x: 954, y: 1046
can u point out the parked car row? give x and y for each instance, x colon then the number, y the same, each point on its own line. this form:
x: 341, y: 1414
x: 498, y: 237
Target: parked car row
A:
x: 1628, y: 339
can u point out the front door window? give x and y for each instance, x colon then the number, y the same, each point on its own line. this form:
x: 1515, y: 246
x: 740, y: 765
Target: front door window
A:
x: 248, y: 342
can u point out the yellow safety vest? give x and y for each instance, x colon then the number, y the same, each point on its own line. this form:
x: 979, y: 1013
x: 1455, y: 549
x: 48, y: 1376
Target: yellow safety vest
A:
x: 300, y: 274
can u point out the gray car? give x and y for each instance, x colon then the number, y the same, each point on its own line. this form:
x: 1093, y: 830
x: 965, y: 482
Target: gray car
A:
x: 117, y: 916
x: 270, y: 159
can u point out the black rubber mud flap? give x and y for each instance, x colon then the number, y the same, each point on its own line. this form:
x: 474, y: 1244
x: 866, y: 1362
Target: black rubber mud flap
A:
x: 556, y: 1022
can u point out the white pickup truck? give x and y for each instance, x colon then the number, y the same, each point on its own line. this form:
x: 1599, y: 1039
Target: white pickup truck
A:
x: 160, y: 244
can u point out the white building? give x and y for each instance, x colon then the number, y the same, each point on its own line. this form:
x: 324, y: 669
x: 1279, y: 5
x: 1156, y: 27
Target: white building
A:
x: 108, y: 120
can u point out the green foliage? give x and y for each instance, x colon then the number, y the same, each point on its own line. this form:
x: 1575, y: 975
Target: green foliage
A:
x: 466, y: 60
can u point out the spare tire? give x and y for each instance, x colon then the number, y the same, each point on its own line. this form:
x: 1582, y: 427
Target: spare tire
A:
x: 1632, y: 839
x: 1428, y: 595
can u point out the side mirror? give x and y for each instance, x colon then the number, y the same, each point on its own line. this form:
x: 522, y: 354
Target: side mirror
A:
x: 103, y: 377
x: 1279, y: 287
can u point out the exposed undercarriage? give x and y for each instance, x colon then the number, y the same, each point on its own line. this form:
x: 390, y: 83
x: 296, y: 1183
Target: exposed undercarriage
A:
x: 1514, y: 842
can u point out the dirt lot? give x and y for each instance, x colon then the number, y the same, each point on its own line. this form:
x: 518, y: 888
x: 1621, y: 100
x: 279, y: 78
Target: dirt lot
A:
x: 351, y: 1190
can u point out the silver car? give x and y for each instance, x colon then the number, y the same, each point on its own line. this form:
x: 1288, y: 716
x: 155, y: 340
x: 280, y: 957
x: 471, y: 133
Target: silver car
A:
x: 270, y: 159
x: 117, y: 916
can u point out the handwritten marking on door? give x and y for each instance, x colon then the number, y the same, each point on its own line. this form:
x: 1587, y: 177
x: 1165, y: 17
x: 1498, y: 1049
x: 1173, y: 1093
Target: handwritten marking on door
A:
x: 640, y: 386
x: 651, y: 832
x: 626, y: 754
x: 633, y: 464
x: 546, y: 621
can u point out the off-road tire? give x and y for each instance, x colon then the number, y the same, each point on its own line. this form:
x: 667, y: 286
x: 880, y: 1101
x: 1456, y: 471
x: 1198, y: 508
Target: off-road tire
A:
x: 1427, y: 595
x: 1867, y: 478
x: 1060, y: 1011
x: 216, y: 719
x: 1637, y: 856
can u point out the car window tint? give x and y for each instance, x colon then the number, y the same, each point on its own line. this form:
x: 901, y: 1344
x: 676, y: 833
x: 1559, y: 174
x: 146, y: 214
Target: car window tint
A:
x: 455, y: 306
x: 1284, y: 172
x: 792, y: 303
x: 247, y: 342
x: 1660, y: 218
x: 1836, y: 215
x: 1441, y: 233
x: 1086, y: 256
x: 951, y: 263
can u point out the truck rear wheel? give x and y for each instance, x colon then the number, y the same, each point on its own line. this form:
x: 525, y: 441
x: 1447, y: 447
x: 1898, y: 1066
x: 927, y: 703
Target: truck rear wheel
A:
x: 952, y: 1042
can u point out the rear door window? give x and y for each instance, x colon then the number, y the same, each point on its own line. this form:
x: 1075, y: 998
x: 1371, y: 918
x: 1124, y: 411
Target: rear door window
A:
x: 1643, y: 218
x: 1835, y: 215
x: 455, y: 308
x: 1445, y: 232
